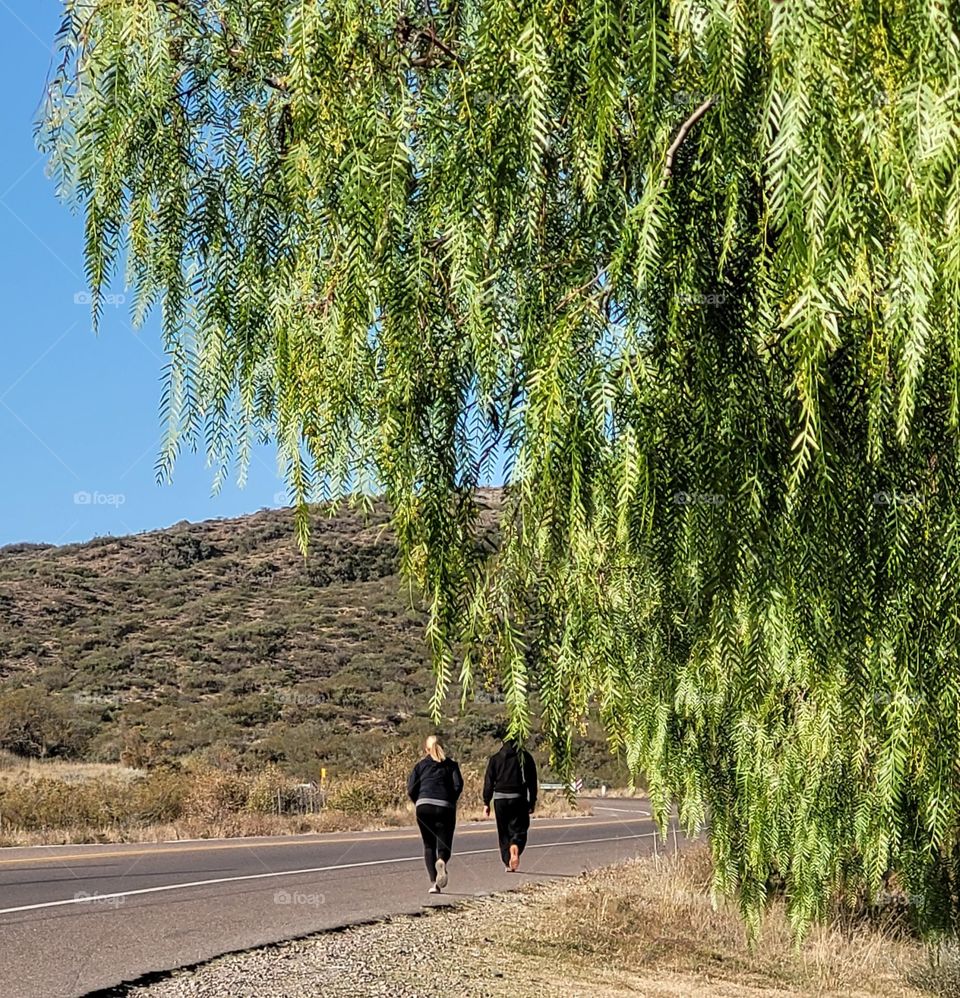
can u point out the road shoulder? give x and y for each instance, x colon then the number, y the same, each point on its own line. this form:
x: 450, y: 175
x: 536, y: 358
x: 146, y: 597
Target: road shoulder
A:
x: 645, y: 927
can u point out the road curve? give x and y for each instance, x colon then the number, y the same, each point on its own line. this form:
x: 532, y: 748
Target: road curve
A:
x: 78, y: 919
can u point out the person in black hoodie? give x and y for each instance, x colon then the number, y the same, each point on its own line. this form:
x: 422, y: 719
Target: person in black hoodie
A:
x: 511, y: 783
x: 434, y: 786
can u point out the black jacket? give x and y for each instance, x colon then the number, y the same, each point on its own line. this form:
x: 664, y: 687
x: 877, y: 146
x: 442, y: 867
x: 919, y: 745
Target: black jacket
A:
x: 435, y: 780
x: 511, y: 772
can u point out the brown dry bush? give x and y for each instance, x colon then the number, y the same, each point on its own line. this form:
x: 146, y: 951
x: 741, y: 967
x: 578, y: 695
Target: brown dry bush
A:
x: 378, y: 789
x: 46, y: 802
x: 214, y: 796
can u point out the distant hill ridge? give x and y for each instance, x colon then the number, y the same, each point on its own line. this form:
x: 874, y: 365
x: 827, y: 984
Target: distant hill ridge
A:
x: 219, y: 641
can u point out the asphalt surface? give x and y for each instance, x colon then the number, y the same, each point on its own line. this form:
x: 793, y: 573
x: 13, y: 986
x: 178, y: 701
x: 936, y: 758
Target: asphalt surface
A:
x: 78, y: 919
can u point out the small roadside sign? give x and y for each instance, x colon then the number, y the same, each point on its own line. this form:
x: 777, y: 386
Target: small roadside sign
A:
x: 576, y: 786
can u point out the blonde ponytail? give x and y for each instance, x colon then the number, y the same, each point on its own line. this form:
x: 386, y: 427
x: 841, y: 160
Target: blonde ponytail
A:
x: 434, y: 749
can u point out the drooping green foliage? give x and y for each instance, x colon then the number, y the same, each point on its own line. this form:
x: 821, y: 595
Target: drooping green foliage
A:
x: 693, y: 266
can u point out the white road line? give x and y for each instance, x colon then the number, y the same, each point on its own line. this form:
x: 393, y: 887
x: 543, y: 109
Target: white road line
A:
x: 625, y: 810
x: 97, y: 898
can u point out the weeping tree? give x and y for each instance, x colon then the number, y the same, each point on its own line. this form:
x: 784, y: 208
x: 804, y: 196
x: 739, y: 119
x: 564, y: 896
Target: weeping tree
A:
x: 690, y: 269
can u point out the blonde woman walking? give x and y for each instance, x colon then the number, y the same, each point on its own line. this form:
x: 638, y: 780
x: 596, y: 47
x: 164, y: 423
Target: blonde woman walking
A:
x: 434, y: 786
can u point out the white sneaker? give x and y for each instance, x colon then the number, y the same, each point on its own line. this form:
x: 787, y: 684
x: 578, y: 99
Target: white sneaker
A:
x: 433, y: 889
x: 441, y: 873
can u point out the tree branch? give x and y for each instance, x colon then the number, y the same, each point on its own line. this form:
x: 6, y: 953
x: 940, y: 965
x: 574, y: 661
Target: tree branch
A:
x: 407, y: 33
x: 431, y: 35
x: 682, y: 134
x: 567, y: 298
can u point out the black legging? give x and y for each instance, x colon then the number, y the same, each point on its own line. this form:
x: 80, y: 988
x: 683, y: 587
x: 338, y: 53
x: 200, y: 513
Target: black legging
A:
x: 513, y: 823
x: 436, y: 829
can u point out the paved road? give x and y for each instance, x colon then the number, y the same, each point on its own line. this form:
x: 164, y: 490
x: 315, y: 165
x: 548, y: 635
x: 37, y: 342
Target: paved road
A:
x: 75, y: 919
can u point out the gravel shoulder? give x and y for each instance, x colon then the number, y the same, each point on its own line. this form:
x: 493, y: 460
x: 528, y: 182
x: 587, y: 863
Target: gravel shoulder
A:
x: 446, y: 951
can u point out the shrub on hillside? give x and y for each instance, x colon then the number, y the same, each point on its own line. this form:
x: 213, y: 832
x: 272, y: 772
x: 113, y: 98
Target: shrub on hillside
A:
x: 37, y: 724
x: 253, y: 710
x: 184, y: 550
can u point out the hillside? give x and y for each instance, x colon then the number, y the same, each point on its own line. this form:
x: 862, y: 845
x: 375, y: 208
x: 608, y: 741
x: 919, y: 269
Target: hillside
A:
x: 218, y: 641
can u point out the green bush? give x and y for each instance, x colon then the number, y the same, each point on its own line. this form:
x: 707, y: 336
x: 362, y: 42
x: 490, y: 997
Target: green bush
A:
x: 38, y: 724
x: 158, y: 797
x: 253, y: 710
x: 271, y: 790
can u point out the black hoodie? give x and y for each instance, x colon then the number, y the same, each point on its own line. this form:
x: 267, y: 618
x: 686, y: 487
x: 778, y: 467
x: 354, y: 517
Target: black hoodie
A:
x: 433, y: 782
x: 511, y: 772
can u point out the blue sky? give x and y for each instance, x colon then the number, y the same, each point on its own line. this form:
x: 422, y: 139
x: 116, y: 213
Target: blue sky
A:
x: 78, y: 411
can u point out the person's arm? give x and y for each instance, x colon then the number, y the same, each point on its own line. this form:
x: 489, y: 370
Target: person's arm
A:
x: 531, y: 782
x: 457, y: 778
x: 413, y: 783
x: 488, y: 787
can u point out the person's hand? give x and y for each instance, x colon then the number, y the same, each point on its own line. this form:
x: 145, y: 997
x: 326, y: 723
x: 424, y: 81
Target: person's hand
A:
x: 486, y: 810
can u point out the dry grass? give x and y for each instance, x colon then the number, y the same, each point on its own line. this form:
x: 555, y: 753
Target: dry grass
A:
x: 17, y: 768
x: 56, y: 803
x: 232, y: 826
x: 649, y: 928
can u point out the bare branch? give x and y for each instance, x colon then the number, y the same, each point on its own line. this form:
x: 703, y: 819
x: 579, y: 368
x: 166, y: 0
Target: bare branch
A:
x: 682, y: 134
x: 567, y: 298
